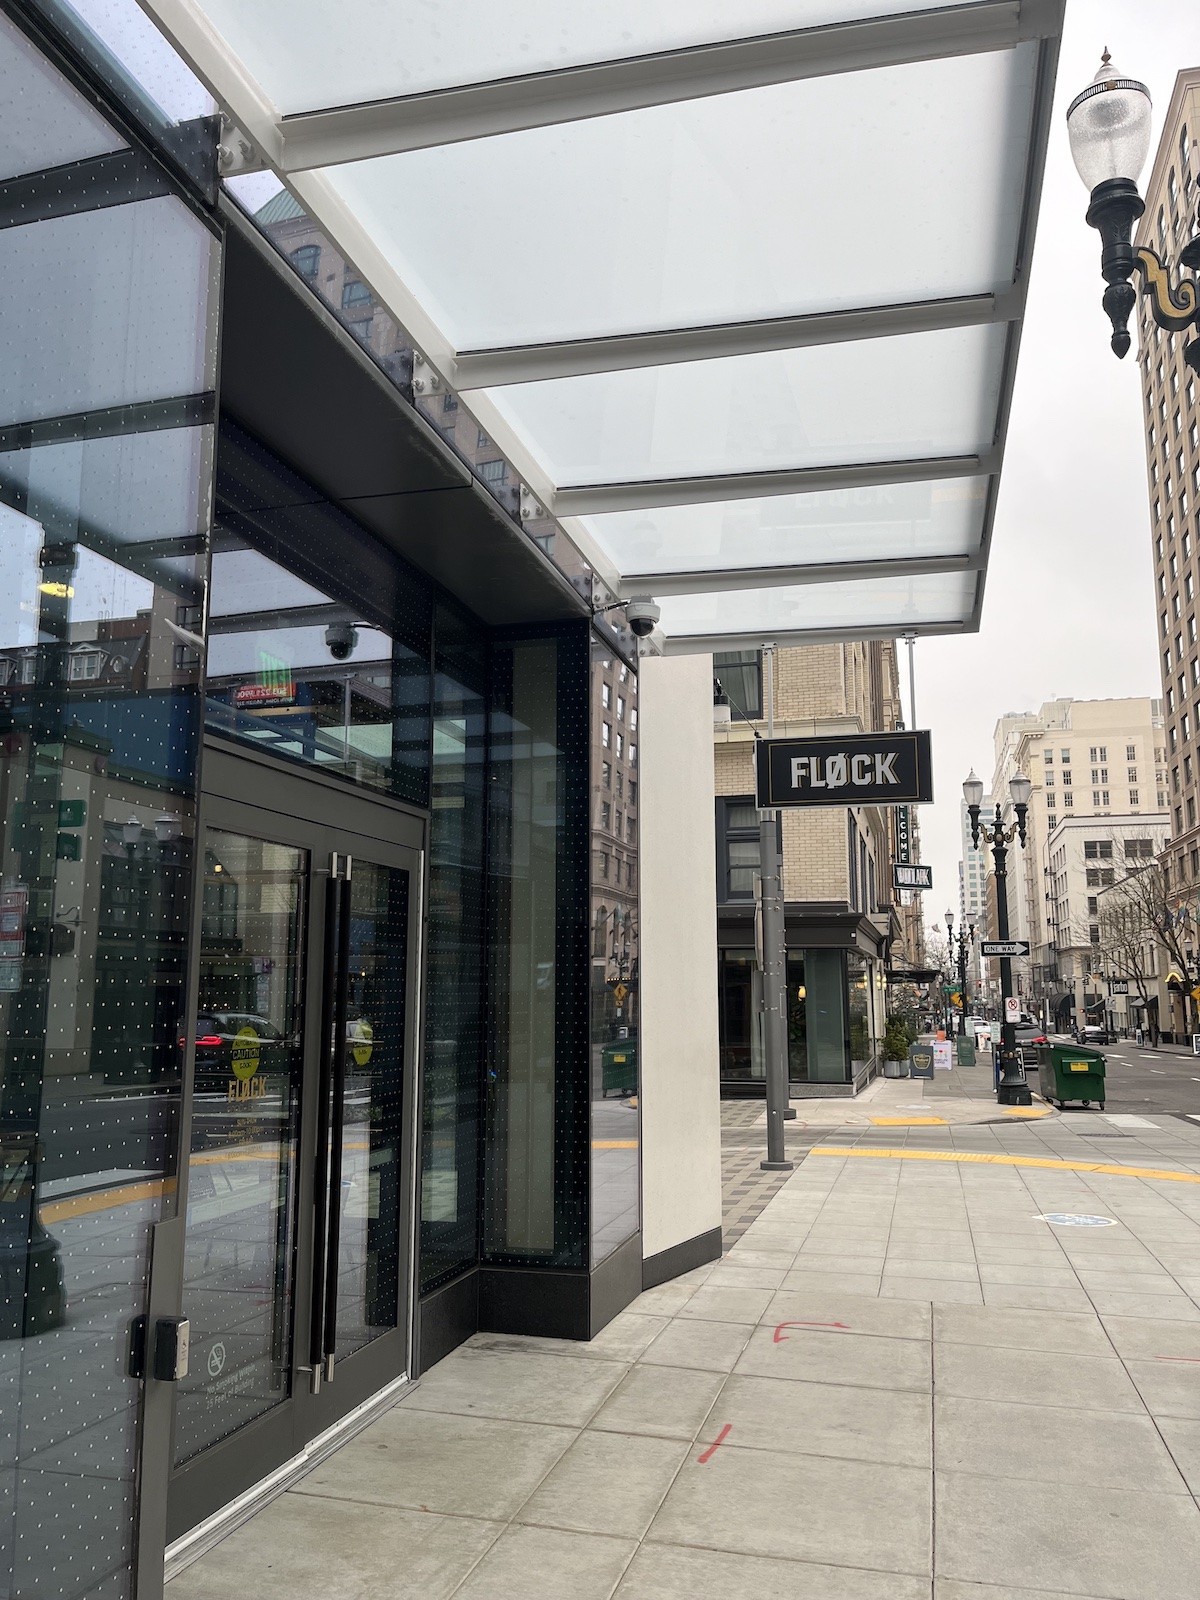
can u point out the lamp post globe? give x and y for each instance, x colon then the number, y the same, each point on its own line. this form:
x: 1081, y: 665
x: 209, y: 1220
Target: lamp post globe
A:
x: 1108, y: 125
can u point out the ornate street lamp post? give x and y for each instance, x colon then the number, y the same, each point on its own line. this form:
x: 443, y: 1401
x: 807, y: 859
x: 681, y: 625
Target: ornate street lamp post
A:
x: 1012, y: 1089
x: 1109, y: 129
x: 966, y: 941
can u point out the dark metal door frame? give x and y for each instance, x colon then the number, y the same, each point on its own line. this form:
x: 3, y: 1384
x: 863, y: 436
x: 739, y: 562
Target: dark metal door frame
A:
x: 265, y: 798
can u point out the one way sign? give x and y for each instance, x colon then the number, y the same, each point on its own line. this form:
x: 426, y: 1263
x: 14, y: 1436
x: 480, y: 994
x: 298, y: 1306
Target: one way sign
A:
x: 1004, y: 947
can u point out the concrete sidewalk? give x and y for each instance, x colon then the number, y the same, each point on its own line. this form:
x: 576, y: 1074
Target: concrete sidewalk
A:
x: 902, y: 1383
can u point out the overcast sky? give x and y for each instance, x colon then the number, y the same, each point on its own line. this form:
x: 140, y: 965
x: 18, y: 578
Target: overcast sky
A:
x: 1069, y: 606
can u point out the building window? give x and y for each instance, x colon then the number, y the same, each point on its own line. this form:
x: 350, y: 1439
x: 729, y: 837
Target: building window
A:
x: 1133, y: 799
x: 1049, y: 780
x: 306, y: 260
x: 620, y: 708
x: 449, y: 402
x: 1068, y: 778
x: 1065, y: 756
x: 355, y: 294
x: 1068, y: 800
x: 1048, y: 758
x: 606, y: 774
x: 605, y: 735
x: 493, y: 471
x: 1131, y: 775
x: 740, y: 675
x: 605, y: 696
x: 620, y: 745
x: 737, y: 828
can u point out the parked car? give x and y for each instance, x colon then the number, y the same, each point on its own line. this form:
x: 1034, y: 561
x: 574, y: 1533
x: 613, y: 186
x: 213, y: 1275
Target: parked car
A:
x: 1029, y: 1036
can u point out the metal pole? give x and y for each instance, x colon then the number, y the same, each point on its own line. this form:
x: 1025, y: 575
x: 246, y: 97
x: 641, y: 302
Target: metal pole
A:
x: 774, y: 957
x: 1012, y: 1089
x: 910, y: 639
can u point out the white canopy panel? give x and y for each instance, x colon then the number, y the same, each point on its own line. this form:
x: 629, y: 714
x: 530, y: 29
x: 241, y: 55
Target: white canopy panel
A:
x: 737, y: 290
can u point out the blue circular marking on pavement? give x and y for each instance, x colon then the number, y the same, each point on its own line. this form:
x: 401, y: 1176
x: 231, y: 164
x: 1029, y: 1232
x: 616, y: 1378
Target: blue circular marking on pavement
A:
x: 1068, y: 1219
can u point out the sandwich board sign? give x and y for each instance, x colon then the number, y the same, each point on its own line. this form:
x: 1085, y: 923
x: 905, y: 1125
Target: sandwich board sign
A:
x: 845, y: 769
x: 920, y: 1061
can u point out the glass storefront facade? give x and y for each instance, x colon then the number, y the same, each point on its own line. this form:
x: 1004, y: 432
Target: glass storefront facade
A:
x: 319, y: 959
x: 835, y: 1016
x: 107, y: 378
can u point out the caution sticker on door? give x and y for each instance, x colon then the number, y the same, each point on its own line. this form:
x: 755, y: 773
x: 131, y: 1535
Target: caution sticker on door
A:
x: 247, y: 1053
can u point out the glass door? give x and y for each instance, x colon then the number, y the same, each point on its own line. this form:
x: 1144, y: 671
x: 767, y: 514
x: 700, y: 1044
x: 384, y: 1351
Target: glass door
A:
x: 297, y: 1248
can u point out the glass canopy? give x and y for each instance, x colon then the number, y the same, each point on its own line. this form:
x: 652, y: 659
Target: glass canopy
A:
x: 737, y: 291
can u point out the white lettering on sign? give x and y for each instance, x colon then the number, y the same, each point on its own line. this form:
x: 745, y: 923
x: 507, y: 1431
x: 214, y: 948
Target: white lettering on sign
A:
x: 840, y: 771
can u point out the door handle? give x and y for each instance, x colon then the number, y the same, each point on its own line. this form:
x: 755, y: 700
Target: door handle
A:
x: 341, y: 1023
x: 320, y: 1251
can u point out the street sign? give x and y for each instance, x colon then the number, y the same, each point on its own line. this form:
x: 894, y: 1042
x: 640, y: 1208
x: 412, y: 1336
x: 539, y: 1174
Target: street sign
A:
x: 1012, y: 1008
x: 916, y: 876
x: 1118, y: 986
x: 1004, y: 947
x: 845, y: 769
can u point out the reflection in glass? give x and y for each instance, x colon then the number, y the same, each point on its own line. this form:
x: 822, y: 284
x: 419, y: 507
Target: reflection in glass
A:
x: 536, y: 1048
x: 454, y: 967
x: 103, y: 546
x: 330, y: 668
x: 739, y: 1011
x: 615, y: 984
x: 239, y: 1254
x: 370, y: 1199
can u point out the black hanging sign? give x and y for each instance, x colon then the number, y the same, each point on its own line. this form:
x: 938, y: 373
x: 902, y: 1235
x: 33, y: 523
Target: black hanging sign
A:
x: 847, y: 769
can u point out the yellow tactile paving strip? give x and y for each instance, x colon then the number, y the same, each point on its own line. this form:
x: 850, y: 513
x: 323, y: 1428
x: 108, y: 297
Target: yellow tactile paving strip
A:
x: 974, y: 1157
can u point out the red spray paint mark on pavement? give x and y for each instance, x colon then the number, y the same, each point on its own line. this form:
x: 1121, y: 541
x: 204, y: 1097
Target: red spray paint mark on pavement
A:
x: 779, y: 1336
x: 715, y: 1445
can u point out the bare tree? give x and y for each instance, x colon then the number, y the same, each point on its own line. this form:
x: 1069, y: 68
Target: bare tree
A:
x: 1127, y: 937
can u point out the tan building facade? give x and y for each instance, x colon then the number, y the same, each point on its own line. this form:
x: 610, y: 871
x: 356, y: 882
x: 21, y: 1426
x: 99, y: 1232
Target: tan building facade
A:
x: 844, y: 925
x: 1172, y: 439
x: 1099, y: 762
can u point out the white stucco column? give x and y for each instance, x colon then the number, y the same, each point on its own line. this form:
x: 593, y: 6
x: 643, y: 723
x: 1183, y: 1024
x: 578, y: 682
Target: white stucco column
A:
x: 680, y: 1084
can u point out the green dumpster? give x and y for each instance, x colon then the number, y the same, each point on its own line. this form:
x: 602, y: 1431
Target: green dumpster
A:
x: 1069, y: 1072
x: 619, y: 1061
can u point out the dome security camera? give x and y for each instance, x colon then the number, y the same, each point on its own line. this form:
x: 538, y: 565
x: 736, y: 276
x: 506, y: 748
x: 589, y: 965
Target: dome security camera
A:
x: 341, y: 640
x: 642, y: 615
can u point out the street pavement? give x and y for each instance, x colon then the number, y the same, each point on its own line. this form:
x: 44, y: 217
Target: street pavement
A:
x: 943, y: 1360
x: 1146, y: 1081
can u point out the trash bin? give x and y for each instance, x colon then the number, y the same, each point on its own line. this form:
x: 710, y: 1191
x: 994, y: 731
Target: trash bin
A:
x: 619, y: 1064
x: 1069, y: 1072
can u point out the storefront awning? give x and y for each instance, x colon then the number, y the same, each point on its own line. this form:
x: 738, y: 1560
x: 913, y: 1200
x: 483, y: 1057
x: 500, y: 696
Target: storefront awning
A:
x: 742, y: 311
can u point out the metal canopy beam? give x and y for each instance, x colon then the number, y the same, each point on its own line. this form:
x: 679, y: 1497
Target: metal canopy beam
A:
x: 329, y: 137
x: 572, y: 358
x: 690, y: 644
x: 719, y: 580
x: 590, y: 500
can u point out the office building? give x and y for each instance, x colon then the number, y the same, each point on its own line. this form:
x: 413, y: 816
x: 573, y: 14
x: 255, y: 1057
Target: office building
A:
x: 1172, y: 440
x: 844, y: 926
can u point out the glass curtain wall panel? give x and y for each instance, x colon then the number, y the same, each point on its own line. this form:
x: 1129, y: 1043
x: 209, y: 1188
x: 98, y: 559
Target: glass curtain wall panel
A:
x: 881, y: 522
x: 455, y: 969
x: 825, y: 1016
x: 325, y: 664
x: 614, y: 989
x: 107, y: 372
x: 536, y: 1105
x: 770, y: 202
x: 309, y: 55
